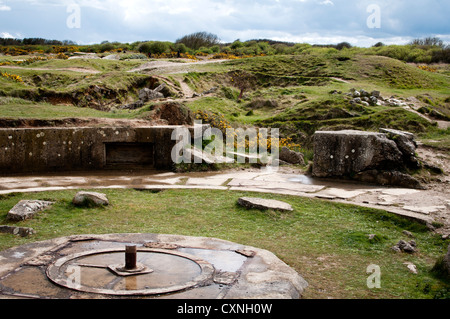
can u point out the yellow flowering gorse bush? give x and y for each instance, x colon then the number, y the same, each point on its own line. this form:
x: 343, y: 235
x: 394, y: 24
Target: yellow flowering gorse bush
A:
x: 218, y: 121
x: 14, y: 77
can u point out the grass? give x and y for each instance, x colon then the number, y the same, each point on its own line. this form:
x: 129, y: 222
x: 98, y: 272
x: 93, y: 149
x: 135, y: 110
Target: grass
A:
x: 327, y: 243
x: 13, y: 108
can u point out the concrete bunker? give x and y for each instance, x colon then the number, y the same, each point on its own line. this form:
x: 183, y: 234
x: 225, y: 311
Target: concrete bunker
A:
x: 130, y: 154
x: 59, y: 149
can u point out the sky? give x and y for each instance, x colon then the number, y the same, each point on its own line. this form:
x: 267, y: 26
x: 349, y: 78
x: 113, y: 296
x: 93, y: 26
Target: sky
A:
x: 361, y: 22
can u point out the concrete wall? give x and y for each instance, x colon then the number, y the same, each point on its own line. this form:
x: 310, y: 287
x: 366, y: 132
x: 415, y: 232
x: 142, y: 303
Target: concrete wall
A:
x: 70, y: 149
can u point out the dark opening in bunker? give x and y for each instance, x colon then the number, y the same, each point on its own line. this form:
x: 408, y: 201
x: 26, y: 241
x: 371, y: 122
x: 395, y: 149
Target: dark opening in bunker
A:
x: 129, y: 154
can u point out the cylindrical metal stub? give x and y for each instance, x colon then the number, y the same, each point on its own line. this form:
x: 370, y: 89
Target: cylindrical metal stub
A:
x: 130, y: 257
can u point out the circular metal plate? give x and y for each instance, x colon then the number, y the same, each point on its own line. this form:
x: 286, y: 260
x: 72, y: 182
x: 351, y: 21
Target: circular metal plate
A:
x: 89, y: 272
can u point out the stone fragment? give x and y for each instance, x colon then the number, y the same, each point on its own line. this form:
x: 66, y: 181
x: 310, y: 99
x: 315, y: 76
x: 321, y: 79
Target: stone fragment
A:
x: 264, y: 204
x: 405, y: 143
x: 412, y: 268
x: 26, y: 209
x: 19, y: 231
x: 291, y: 157
x: 405, y: 247
x: 90, y: 199
x: 146, y: 95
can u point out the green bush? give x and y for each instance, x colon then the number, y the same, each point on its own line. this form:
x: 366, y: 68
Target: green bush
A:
x: 159, y: 47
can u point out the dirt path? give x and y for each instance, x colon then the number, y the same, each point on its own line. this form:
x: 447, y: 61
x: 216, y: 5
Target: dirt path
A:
x: 168, y: 67
x: 80, y: 70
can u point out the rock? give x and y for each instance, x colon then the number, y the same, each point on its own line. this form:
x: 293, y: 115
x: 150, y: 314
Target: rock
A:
x: 291, y: 157
x: 90, y: 199
x: 366, y: 156
x: 376, y: 94
x: 412, y: 268
x: 394, y: 102
x: 264, y: 204
x: 344, y: 153
x: 404, y: 140
x: 365, y: 103
x: 147, y: 95
x: 356, y: 94
x: 26, y: 209
x: 407, y: 247
x: 373, y: 100
x: 356, y: 100
x: 133, y: 106
x: 20, y: 231
x: 173, y: 113
x: 364, y: 93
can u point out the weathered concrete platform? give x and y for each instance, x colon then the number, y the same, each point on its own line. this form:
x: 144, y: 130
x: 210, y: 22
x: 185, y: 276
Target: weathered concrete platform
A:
x: 78, y: 265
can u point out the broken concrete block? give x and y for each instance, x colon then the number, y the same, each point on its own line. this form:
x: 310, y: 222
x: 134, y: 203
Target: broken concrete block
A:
x: 26, y: 209
x: 344, y: 153
x: 264, y: 204
x: 19, y: 231
x: 90, y: 199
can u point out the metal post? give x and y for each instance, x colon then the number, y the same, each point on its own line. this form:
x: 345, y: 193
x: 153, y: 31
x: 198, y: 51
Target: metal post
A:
x: 130, y: 257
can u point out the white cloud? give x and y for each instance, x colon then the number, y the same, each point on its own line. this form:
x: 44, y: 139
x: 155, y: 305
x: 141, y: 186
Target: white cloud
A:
x: 6, y: 35
x: 316, y: 21
x: 327, y: 2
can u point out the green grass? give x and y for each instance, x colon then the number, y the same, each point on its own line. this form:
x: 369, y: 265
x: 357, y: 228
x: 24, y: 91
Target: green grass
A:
x: 14, y: 108
x: 326, y: 243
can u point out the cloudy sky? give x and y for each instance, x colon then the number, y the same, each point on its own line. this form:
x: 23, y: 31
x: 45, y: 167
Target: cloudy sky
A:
x: 360, y: 22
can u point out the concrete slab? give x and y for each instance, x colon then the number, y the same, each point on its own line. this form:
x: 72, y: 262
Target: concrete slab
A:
x: 296, y: 187
x: 264, y: 204
x: 424, y: 210
x: 223, y: 271
x: 399, y: 191
x: 340, y: 193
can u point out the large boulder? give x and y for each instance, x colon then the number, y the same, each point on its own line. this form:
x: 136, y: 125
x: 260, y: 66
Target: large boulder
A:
x: 345, y: 153
x: 371, y: 157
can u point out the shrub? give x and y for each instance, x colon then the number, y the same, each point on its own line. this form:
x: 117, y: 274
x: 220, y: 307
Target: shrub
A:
x: 158, y: 47
x: 144, y: 48
x: 343, y: 45
x: 236, y: 45
x: 199, y: 39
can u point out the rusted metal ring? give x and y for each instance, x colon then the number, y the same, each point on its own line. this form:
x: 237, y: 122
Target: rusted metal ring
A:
x: 55, y: 274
